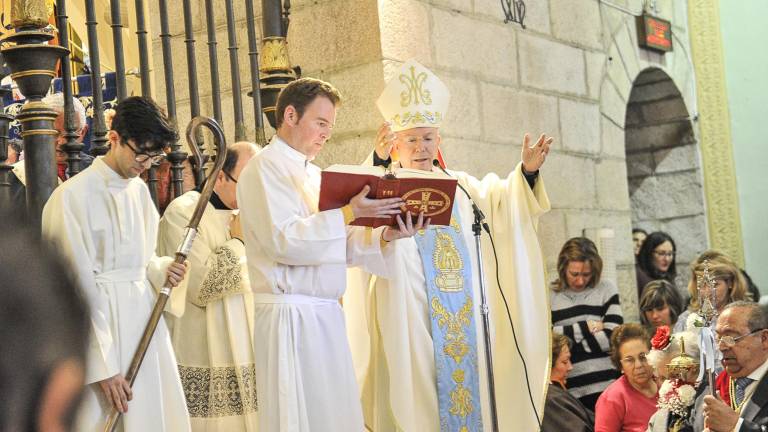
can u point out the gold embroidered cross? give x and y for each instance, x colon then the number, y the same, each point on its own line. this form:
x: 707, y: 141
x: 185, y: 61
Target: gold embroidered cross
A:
x: 424, y: 203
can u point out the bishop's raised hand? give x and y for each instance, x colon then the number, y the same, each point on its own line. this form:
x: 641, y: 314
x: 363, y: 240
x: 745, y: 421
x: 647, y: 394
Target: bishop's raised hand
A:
x: 533, y: 156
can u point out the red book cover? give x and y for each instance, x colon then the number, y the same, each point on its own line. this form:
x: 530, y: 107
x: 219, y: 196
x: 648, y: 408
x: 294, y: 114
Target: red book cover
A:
x: 422, y: 191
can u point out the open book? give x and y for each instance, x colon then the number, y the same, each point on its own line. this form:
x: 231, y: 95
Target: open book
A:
x: 422, y: 191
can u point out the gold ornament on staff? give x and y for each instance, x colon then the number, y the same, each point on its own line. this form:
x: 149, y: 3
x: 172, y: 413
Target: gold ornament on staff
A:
x: 708, y: 308
x: 705, y: 285
x: 680, y: 366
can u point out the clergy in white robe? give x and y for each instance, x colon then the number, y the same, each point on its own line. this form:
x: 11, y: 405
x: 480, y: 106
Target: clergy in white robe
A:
x: 213, y: 339
x: 420, y: 364
x: 104, y: 222
x: 297, y: 260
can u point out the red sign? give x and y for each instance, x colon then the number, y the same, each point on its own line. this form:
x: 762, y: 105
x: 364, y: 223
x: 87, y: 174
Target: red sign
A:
x: 654, y: 33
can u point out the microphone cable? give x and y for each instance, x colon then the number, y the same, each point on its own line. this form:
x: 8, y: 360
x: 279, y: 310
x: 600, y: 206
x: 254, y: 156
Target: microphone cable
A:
x: 487, y: 229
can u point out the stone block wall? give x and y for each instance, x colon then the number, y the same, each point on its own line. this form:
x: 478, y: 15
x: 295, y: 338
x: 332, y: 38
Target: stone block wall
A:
x: 665, y: 181
x: 568, y: 74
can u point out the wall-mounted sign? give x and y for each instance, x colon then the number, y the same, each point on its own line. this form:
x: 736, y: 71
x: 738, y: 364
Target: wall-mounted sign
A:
x: 654, y: 33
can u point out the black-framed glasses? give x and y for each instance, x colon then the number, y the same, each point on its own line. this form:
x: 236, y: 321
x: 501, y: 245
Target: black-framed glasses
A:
x: 143, y: 157
x: 730, y: 341
x: 229, y: 176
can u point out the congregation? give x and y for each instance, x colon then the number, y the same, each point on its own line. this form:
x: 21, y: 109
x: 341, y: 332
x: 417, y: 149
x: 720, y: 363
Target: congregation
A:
x: 608, y: 375
x: 267, y: 329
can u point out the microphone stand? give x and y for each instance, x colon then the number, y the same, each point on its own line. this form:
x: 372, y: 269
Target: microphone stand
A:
x: 477, y: 226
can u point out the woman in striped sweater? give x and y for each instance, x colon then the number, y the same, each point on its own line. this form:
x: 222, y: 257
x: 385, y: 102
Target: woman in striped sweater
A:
x: 586, y: 309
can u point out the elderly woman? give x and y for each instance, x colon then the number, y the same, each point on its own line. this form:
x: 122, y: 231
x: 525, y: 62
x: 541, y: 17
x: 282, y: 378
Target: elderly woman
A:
x: 563, y: 411
x: 660, y: 305
x: 586, y: 309
x: 730, y: 285
x: 629, y: 402
x: 656, y: 260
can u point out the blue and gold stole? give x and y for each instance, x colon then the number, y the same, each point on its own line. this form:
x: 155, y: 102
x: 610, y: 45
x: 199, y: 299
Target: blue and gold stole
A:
x: 448, y: 273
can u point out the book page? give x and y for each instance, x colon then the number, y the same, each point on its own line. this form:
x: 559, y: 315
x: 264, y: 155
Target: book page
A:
x: 380, y: 171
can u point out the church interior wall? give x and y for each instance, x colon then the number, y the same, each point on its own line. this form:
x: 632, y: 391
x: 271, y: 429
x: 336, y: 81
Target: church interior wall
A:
x: 568, y: 74
x: 664, y: 168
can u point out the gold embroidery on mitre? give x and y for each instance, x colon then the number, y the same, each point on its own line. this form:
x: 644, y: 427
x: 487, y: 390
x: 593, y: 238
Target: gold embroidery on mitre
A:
x: 414, y: 92
x: 414, y: 97
x: 448, y: 264
x: 418, y: 118
x: 456, y: 345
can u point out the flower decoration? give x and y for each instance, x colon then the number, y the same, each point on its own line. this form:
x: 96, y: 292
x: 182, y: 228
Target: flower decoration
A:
x: 694, y: 321
x: 676, y: 396
x: 661, y: 339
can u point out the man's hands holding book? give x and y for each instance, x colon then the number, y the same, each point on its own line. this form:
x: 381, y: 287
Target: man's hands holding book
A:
x: 362, y: 206
x: 405, y: 229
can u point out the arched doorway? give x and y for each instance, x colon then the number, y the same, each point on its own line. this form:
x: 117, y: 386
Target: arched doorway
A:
x: 664, y: 167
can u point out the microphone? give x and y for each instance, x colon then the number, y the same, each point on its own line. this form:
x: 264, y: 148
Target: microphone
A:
x: 479, y: 215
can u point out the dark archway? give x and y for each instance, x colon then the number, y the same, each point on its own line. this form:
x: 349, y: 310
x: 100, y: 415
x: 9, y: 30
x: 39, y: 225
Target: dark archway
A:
x: 664, y: 167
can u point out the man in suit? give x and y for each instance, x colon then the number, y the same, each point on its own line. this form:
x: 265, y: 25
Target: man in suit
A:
x: 742, y: 337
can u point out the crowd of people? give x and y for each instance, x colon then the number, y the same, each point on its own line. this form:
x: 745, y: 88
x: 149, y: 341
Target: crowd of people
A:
x: 253, y: 334
x: 611, y: 376
x: 256, y: 336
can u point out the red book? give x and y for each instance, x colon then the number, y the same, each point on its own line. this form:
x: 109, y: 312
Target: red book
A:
x: 423, y: 191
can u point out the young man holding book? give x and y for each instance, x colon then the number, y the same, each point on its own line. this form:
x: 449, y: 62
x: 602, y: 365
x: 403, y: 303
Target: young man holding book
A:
x: 422, y: 363
x: 297, y: 258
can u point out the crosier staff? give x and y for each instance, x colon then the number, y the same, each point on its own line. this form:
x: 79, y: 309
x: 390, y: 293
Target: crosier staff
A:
x: 705, y: 286
x: 181, y: 253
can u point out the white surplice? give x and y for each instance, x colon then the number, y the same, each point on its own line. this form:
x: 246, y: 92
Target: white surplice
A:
x: 389, y: 320
x: 213, y: 339
x: 107, y: 228
x: 297, y: 260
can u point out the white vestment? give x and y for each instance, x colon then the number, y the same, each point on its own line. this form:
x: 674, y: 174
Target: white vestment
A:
x: 107, y: 227
x: 213, y: 339
x: 297, y: 260
x: 390, y: 319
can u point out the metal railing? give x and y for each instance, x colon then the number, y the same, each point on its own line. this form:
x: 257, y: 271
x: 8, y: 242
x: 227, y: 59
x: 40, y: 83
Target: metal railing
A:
x: 269, y: 75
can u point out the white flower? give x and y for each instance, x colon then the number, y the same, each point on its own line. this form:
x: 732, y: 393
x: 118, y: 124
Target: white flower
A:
x: 694, y: 322
x: 687, y: 394
x: 676, y: 397
x: 656, y: 359
x: 666, y: 387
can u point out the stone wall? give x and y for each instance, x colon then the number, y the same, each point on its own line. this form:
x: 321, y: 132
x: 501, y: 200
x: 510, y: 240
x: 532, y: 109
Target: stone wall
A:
x: 568, y: 74
x: 664, y: 168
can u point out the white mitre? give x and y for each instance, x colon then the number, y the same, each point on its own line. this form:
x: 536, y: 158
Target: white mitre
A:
x: 414, y: 97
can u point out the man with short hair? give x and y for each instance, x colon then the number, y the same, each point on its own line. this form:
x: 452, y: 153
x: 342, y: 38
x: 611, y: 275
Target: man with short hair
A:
x: 297, y: 258
x: 104, y: 222
x: 213, y: 339
x: 19, y: 180
x: 742, y: 337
